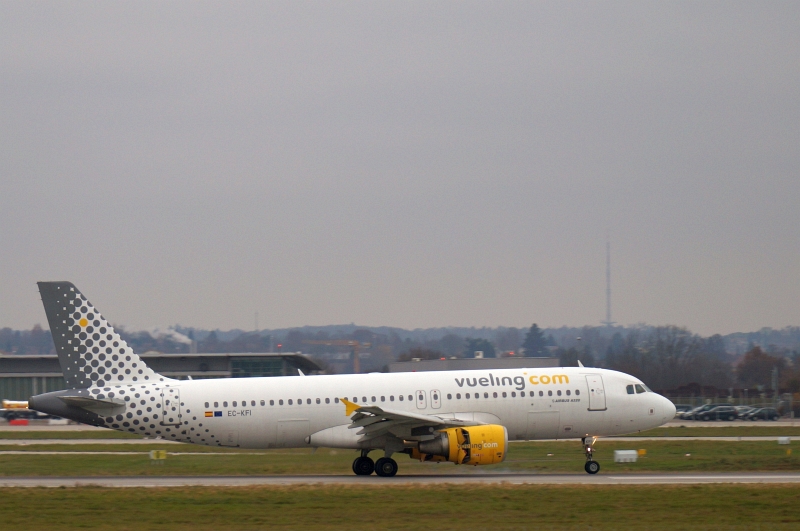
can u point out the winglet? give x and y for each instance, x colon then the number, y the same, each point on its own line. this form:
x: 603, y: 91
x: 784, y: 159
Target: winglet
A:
x: 580, y: 364
x: 349, y: 407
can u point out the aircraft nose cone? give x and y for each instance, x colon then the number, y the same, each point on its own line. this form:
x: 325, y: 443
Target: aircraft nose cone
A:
x: 668, y: 408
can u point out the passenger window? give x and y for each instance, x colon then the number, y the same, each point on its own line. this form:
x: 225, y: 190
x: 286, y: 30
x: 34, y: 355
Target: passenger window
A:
x: 272, y: 402
x: 494, y: 395
x: 225, y: 404
x: 449, y: 396
x: 206, y: 404
x: 558, y: 392
x: 568, y: 393
x: 336, y: 400
x: 383, y: 399
x: 466, y: 396
x: 549, y: 393
x: 280, y: 402
x: 308, y: 400
x: 391, y: 398
x: 410, y: 398
x: 401, y: 398
x: 290, y: 401
x: 421, y: 397
x: 216, y: 404
x: 458, y: 396
x: 541, y: 393
x: 234, y: 403
x: 327, y: 400
x: 577, y: 392
x: 639, y: 389
x: 253, y: 403
x: 477, y: 395
x: 522, y: 393
x: 485, y: 395
x: 264, y: 403
x: 629, y: 388
x: 504, y: 394
x: 318, y: 401
x: 513, y: 394
x: 365, y: 399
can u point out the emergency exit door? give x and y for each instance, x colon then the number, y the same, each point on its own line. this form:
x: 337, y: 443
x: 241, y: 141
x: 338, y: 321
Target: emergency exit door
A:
x: 436, y: 399
x: 170, y: 406
x: 421, y: 402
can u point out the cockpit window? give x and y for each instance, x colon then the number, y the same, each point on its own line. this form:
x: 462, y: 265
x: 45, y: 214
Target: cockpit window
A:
x: 629, y: 388
x: 639, y: 389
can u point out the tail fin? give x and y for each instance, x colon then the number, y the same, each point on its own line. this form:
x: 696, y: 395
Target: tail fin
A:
x: 90, y: 351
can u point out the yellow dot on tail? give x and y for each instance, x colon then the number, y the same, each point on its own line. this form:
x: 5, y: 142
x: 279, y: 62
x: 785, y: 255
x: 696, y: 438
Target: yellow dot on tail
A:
x: 83, y: 322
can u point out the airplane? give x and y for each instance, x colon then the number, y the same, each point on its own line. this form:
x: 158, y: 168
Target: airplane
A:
x: 463, y: 417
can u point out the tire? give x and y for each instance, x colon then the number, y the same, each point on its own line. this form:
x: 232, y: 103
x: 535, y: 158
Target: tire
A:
x: 592, y: 467
x: 363, y: 466
x: 704, y: 417
x: 386, y: 467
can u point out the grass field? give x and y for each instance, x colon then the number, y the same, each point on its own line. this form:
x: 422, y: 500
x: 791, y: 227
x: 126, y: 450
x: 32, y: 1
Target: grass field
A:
x: 496, y: 507
x: 542, y: 457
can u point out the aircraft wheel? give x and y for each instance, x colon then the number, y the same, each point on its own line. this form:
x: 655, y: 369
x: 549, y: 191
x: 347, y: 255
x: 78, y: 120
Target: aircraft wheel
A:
x: 592, y: 467
x: 386, y: 467
x: 363, y: 466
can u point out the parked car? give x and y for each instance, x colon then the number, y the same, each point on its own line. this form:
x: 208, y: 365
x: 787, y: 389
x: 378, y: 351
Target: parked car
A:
x: 763, y: 413
x: 682, y: 408
x: 718, y: 413
x: 741, y: 411
x: 696, y: 412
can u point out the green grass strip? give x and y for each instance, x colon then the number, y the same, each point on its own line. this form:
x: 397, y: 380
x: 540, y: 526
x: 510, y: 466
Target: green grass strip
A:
x: 495, y: 507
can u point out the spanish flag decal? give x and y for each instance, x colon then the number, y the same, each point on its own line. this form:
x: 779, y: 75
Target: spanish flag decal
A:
x: 209, y: 413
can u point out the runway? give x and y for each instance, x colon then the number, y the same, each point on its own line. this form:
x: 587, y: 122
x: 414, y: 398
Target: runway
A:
x: 157, y: 442
x: 374, y: 481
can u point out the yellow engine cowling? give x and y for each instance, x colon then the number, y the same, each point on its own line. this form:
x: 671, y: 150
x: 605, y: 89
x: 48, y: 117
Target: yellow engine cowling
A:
x: 473, y: 445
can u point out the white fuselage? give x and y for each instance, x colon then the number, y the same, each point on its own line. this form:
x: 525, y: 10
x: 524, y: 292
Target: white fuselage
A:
x: 567, y: 402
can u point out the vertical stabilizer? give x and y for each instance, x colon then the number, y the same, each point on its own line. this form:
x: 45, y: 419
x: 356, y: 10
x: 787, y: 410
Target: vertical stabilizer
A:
x: 90, y: 351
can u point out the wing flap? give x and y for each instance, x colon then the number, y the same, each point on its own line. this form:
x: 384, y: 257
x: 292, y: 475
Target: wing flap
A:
x: 374, y: 421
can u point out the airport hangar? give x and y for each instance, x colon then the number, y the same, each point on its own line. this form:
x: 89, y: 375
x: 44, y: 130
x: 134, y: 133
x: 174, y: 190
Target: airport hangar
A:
x: 25, y: 375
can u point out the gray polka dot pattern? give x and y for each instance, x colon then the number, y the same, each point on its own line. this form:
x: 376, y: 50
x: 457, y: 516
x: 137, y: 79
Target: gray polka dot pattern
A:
x: 97, y: 363
x: 90, y: 351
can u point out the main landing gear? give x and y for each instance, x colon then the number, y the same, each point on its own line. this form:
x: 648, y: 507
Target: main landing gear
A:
x: 364, y: 466
x: 591, y: 466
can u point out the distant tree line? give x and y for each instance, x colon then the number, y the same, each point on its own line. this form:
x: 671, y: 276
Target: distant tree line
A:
x: 665, y: 357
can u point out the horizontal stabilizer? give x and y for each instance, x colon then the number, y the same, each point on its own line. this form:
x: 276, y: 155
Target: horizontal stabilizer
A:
x: 93, y: 404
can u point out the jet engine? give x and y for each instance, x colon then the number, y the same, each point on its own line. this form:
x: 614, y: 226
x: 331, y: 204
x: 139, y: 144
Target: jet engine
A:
x: 473, y: 445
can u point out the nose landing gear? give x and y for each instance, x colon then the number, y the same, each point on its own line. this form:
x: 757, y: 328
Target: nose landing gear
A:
x: 591, y: 466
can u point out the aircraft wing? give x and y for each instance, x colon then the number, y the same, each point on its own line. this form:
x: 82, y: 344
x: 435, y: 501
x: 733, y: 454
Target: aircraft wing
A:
x: 374, y: 421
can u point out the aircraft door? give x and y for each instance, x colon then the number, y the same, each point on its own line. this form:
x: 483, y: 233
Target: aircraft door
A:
x: 421, y: 400
x: 170, y: 406
x: 436, y: 399
x: 597, y: 393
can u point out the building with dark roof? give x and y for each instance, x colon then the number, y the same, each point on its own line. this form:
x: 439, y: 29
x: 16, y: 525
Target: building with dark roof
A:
x: 22, y: 376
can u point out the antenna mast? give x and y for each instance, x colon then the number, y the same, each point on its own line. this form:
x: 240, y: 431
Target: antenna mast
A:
x: 608, y: 322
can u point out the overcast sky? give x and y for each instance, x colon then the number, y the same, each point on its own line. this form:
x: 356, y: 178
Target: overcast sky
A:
x: 411, y: 164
